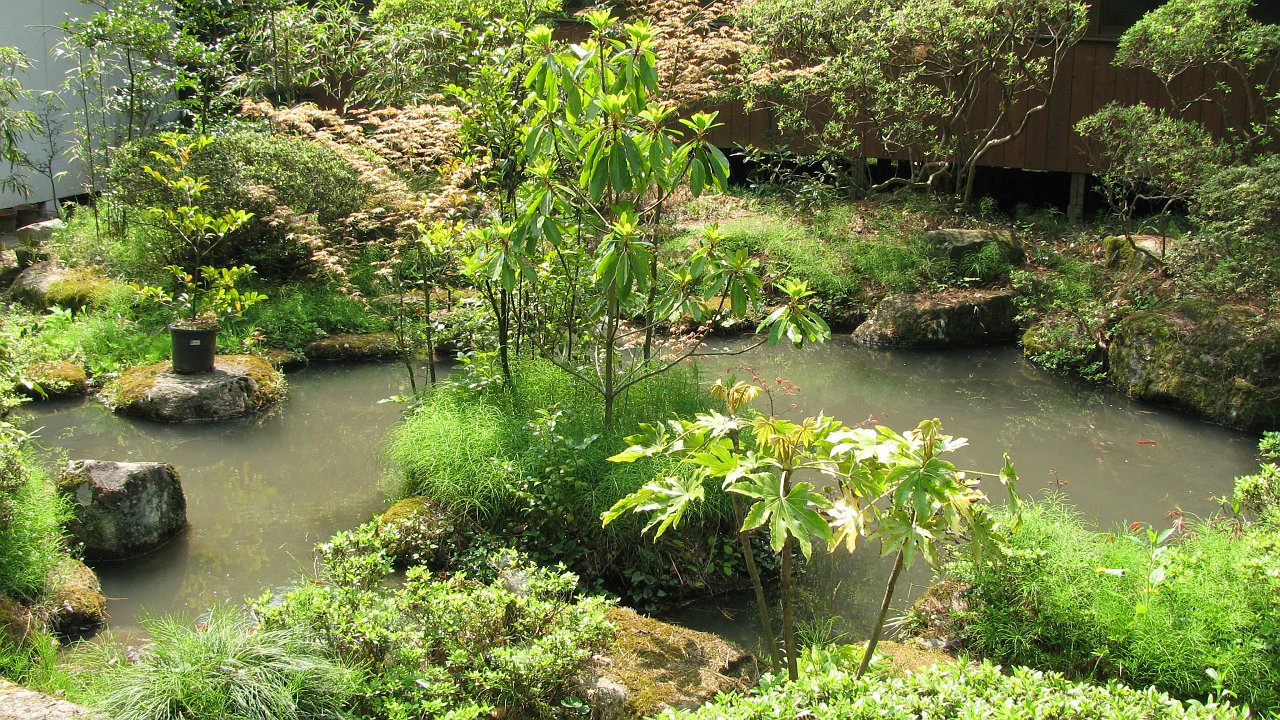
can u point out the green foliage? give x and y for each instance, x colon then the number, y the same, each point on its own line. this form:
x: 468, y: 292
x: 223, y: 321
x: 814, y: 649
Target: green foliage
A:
x: 1192, y: 613
x: 1065, y: 306
x: 224, y: 666
x: 31, y: 517
x: 278, y: 180
x: 101, y: 339
x: 302, y: 312
x: 34, y: 663
x: 906, y: 76
x: 529, y: 463
x: 1187, y: 35
x: 964, y: 691
x: 1237, y: 209
x: 1146, y: 156
x: 1259, y: 493
x: 447, y: 648
x: 203, y: 301
x: 15, y: 124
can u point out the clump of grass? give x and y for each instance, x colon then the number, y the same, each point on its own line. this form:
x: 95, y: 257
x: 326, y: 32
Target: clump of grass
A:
x: 301, y: 312
x: 101, y: 339
x: 31, y: 518
x: 223, y: 667
x: 1192, y: 614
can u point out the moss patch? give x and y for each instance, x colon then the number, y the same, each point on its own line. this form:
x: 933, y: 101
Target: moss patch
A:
x: 415, y: 531
x: 57, y: 379
x: 76, y: 605
x: 663, y: 665
x: 16, y: 624
x: 354, y: 347
x: 82, y: 287
x: 911, y: 656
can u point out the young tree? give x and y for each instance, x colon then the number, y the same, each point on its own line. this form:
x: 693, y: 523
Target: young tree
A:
x: 574, y: 232
x: 15, y: 124
x: 1218, y: 35
x: 939, y: 83
x: 876, y: 481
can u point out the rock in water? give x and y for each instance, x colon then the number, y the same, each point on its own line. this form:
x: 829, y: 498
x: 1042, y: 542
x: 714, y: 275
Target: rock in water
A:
x: 1221, y: 362
x: 76, y: 607
x: 123, y: 509
x: 355, y: 347
x: 239, y: 385
x: 952, y: 318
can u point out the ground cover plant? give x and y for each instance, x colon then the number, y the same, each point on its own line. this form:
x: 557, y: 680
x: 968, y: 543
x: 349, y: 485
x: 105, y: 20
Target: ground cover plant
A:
x: 528, y: 463
x: 451, y: 647
x: 827, y: 690
x: 1191, y: 611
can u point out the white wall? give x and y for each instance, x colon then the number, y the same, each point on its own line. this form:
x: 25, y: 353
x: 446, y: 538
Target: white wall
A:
x: 32, y: 27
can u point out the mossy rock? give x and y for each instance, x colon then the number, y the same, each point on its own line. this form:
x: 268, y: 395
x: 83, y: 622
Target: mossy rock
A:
x: 354, y: 347
x: 952, y: 318
x: 46, y: 284
x: 76, y: 606
x: 415, y: 531
x: 652, y: 665
x: 57, y: 380
x: 17, y: 624
x: 1219, y: 362
x: 958, y: 244
x: 285, y: 360
x: 936, y: 615
x: 239, y: 385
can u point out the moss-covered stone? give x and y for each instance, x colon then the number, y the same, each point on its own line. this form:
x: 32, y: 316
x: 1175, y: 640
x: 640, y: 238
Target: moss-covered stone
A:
x: 16, y: 623
x: 1219, y: 362
x: 76, y: 606
x: 415, y: 531
x: 285, y: 360
x: 239, y: 385
x: 958, y: 244
x: 48, y: 284
x: 653, y: 665
x: 353, y: 347
x: 122, y: 509
x: 56, y: 380
x: 951, y: 318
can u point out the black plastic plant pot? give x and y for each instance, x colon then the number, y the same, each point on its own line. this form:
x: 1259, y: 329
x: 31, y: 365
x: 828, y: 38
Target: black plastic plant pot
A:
x: 193, y: 349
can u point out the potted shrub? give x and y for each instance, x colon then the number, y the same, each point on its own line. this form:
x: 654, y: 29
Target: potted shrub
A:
x: 201, y: 301
x: 205, y: 295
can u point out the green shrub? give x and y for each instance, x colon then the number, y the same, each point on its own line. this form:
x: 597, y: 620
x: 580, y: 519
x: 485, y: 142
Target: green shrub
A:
x: 102, y: 339
x: 222, y: 667
x: 452, y: 648
x: 964, y: 691
x: 1259, y: 493
x: 31, y: 517
x: 531, y: 465
x: 279, y: 179
x: 301, y: 312
x: 1064, y: 305
x: 1146, y: 608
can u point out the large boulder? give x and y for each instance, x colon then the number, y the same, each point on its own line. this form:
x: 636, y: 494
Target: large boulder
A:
x: 951, y: 318
x: 354, y: 347
x: 123, y: 509
x: 1219, y: 362
x: 33, y: 238
x: 957, y: 245
x: 46, y: 284
x: 76, y: 607
x: 19, y: 703
x: 239, y: 385
x: 652, y: 666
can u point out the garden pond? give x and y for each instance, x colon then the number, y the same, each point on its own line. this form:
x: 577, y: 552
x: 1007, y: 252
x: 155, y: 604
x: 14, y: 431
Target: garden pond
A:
x: 263, y: 491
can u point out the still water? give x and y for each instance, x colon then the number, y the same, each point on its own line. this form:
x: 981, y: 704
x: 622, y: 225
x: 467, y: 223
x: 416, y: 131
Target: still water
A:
x: 261, y: 492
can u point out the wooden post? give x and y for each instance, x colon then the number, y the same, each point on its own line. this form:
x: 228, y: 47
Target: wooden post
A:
x: 1075, y: 204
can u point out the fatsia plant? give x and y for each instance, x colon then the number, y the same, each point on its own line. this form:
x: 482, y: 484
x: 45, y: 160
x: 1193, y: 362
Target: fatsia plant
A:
x: 816, y: 481
x: 600, y: 158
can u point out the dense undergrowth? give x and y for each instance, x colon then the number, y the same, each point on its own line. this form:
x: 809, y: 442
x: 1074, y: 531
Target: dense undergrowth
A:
x: 1192, y: 612
x: 528, y: 465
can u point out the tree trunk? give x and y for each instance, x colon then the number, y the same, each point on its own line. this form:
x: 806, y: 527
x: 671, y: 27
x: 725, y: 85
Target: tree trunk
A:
x: 788, y: 619
x: 762, y: 607
x: 884, y: 610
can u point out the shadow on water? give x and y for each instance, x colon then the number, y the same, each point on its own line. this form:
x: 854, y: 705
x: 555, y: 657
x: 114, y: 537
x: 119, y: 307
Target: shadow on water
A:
x: 263, y: 491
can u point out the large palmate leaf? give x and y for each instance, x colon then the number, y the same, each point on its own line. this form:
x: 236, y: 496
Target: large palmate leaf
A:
x: 664, y: 499
x: 792, y: 514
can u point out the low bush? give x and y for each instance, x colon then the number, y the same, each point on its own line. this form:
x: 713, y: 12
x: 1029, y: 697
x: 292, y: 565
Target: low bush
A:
x: 295, y: 188
x: 102, y: 340
x: 224, y: 666
x: 531, y: 465
x: 301, y: 312
x: 963, y: 691
x: 1192, y: 613
x: 452, y: 648
x: 31, y: 517
x: 1259, y: 494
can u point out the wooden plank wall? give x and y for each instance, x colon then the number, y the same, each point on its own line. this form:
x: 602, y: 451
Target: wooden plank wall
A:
x: 1087, y: 82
